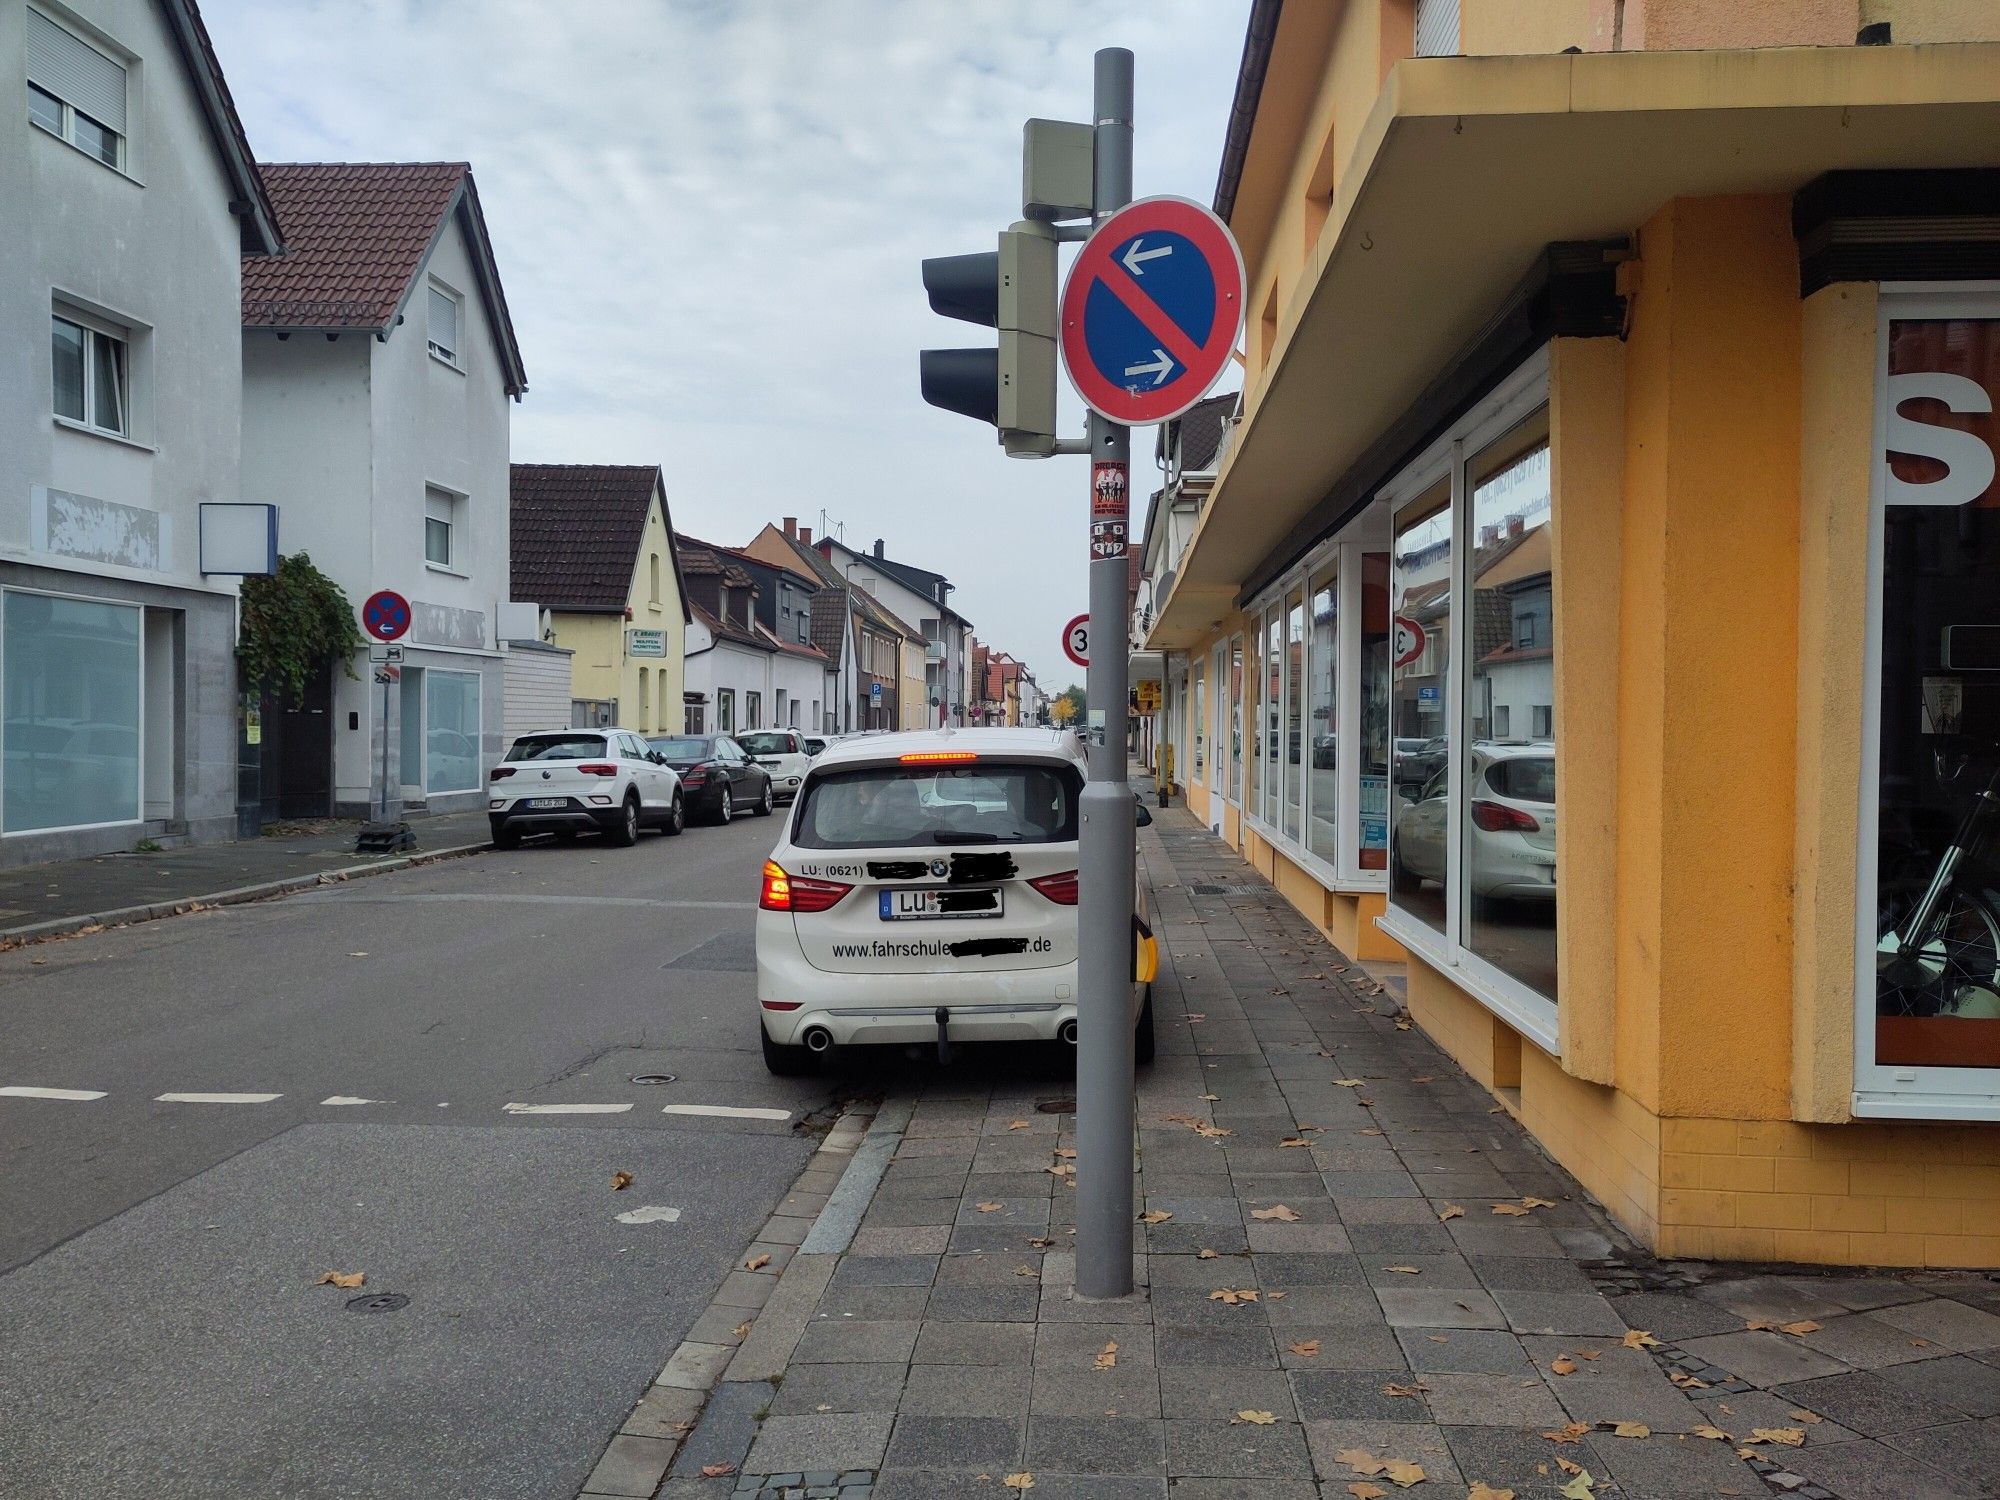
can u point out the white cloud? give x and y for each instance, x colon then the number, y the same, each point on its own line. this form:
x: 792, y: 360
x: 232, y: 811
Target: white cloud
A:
x: 709, y: 217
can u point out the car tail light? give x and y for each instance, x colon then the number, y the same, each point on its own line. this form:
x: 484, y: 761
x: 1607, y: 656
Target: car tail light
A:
x: 500, y: 773
x: 796, y: 893
x: 598, y: 768
x: 781, y: 1004
x: 1497, y: 817
x: 1060, y: 889
x: 694, y: 776
x: 937, y: 757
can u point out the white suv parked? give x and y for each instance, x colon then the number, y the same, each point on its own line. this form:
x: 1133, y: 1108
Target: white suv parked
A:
x: 924, y: 892
x: 569, y: 781
x: 783, y: 753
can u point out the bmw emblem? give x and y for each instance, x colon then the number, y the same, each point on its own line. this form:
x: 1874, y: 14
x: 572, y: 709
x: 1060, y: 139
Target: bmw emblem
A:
x: 940, y: 869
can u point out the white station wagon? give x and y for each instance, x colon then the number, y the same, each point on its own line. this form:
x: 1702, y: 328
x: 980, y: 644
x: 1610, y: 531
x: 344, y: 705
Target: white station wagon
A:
x: 924, y: 893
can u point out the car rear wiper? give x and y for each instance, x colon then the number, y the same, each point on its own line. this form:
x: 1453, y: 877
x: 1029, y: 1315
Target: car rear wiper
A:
x: 941, y: 837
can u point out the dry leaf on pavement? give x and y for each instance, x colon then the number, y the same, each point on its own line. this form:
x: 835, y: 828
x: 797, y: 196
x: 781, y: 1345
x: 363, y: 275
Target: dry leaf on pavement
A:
x: 1206, y: 1254
x: 1686, y: 1381
x: 1450, y: 1211
x: 1402, y: 1473
x: 717, y: 1471
x: 1293, y: 1140
x: 1107, y: 1357
x: 1361, y: 1461
x: 1799, y: 1329
x: 1715, y: 1434
x: 1231, y: 1296
x: 1281, y: 1213
x: 346, y: 1279
x: 989, y: 1208
x: 620, y: 1181
x: 1350, y: 1083
x: 1562, y: 1364
x: 1811, y: 1419
x: 1017, y: 1124
x: 756, y: 1262
x: 1580, y: 1488
x: 1256, y: 1418
x: 1631, y: 1430
x: 1784, y: 1437
x: 1483, y: 1491
x: 1569, y: 1432
x: 1155, y: 1216
x: 1512, y: 1210
x: 1304, y: 1348
x: 1638, y: 1338
x: 1569, y: 1466
x: 1531, y: 1201
x: 1393, y: 1389
x: 1404, y: 1270
x: 1026, y: 1271
x: 1023, y: 1481
x: 1361, y: 1489
x: 741, y: 1330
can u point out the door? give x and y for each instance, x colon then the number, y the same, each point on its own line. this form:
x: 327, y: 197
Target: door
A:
x: 298, y: 750
x: 646, y: 778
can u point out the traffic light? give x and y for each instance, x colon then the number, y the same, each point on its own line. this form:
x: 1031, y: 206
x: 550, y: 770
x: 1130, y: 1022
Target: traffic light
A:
x: 1012, y: 289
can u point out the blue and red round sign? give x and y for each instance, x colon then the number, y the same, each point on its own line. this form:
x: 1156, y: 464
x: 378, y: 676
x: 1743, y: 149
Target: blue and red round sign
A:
x: 1151, y: 310
x: 386, y: 615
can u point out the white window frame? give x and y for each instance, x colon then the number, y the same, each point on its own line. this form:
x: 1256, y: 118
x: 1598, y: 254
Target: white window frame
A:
x: 29, y: 833
x: 1233, y: 650
x: 69, y: 112
x: 1513, y: 401
x: 95, y: 330
x: 453, y: 356
x: 424, y: 738
x: 451, y: 520
x: 1891, y: 1091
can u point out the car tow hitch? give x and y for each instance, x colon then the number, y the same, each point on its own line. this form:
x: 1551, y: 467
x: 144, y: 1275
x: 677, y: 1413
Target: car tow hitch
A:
x: 943, y: 1017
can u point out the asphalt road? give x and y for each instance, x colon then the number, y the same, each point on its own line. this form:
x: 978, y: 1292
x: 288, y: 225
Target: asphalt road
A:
x: 160, y: 1330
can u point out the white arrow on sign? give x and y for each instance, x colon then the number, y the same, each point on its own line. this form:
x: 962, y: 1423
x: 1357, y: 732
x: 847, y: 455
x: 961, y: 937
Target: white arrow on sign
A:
x: 1134, y: 255
x: 1160, y: 367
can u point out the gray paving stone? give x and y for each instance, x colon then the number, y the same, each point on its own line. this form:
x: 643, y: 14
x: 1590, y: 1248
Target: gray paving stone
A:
x: 924, y: 1239
x: 1402, y: 1239
x: 1970, y: 1449
x: 1464, y: 1351
x: 857, y: 1341
x: 664, y: 1412
x: 1337, y: 1395
x: 1421, y: 1307
x: 1860, y: 1293
x: 966, y: 1391
x: 1243, y: 1489
x: 1670, y: 1316
x: 1585, y: 1313
x: 1240, y: 1450
x: 1421, y: 1270
x: 1032, y: 1211
x: 1515, y: 1458
x: 1309, y: 1269
x: 727, y: 1427
x: 1281, y: 1239
x: 1767, y: 1297
x: 1867, y: 1343
x: 1869, y: 1404
x: 975, y: 1344
x: 630, y: 1466
x: 1220, y: 1394
x: 1463, y: 1400
x: 1762, y: 1358
x: 1191, y: 1210
x: 972, y: 1443
x: 1665, y: 1464
x: 1954, y: 1325
x: 1385, y: 1211
x: 1096, y: 1445
x: 1010, y: 1302
x: 1419, y: 1442
x: 1371, y: 1184
x: 836, y: 1440
x: 1341, y: 1347
x: 1741, y: 1412
x: 1873, y: 1471
x: 886, y: 1270
x: 1956, y: 1381
x: 1222, y: 1348
x: 869, y: 1387
x: 1075, y: 1346
x: 1509, y: 1238
x: 873, y: 1303
x: 1126, y: 1390
x: 1535, y: 1273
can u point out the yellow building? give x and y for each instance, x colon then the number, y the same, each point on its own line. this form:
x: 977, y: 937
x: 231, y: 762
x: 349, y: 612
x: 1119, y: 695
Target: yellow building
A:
x: 1619, y: 403
x: 593, y: 544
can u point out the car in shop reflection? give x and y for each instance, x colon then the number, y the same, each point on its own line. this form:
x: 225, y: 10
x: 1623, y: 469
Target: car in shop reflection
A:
x: 1512, y: 811
x: 1417, y: 762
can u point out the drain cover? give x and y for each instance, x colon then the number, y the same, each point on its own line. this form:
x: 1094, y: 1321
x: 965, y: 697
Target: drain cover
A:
x: 378, y: 1302
x: 654, y: 1078
x: 1056, y: 1107
x: 1211, y: 890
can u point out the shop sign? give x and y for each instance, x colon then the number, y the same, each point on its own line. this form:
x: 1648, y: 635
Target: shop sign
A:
x: 646, y: 643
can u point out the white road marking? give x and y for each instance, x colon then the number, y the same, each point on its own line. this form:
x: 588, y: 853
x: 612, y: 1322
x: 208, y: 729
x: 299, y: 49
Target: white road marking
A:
x: 651, y: 1214
x: 519, y: 898
x: 727, y: 1112
x: 566, y: 1109
x: 215, y: 1098
x: 352, y: 1099
x: 25, y: 1091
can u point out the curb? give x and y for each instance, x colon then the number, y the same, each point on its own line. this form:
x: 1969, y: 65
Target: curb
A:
x: 756, y: 1318
x: 126, y: 916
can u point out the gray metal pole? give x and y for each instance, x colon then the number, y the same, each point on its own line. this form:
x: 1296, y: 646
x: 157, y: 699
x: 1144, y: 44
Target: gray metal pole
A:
x: 1104, y: 1123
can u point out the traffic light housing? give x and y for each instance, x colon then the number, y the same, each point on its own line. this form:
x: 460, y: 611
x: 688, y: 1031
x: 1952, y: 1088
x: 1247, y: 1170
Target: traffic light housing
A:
x: 1012, y: 289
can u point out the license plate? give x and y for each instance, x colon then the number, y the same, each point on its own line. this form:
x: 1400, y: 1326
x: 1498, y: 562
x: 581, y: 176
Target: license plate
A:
x: 930, y: 904
x: 548, y: 802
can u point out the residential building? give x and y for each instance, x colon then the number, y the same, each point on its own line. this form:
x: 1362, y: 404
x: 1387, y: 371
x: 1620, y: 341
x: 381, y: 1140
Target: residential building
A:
x: 379, y: 368
x: 1608, y: 544
x: 919, y: 596
x: 594, y: 546
x: 784, y: 605
x: 741, y: 676
x: 829, y: 613
x: 131, y: 212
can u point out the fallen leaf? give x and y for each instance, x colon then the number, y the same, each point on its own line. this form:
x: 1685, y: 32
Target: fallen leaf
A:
x: 345, y: 1279
x: 1759, y: 1325
x: 1401, y: 1025
x: 1437, y: 1338
x: 1567, y: 1465
x: 1404, y: 1270
x: 1293, y: 1140
x: 1256, y: 1418
x: 1155, y: 1216
x: 1197, y: 1015
x: 1591, y: 1354
x: 357, y: 955
x: 1580, y: 1488
x: 1393, y: 1389
x: 1511, y: 1210
x: 1784, y: 1437
x: 1212, y: 1131
x: 741, y: 1330
x: 1799, y: 1329
x: 1280, y: 1212
x: 1361, y: 1461
x: 1686, y: 1381
x: 1019, y: 1481
x: 1562, y: 1364
x: 1107, y: 1357
x: 1482, y: 1491
x: 1631, y: 1430
x: 1017, y: 1124
x: 717, y: 1471
x: 1638, y: 1338
x: 1350, y: 1083
x: 1370, y: 1130
x: 1533, y: 1202
x: 1231, y: 1296
x: 1361, y: 1489
x: 1206, y: 1254
x: 620, y: 1181
x: 1212, y: 1098
x: 1304, y: 1348
x: 1067, y: 1153
x: 1403, y: 1473
x: 1811, y: 1419
x: 1715, y: 1434
x: 824, y: 1406
x: 756, y: 1262
x: 1276, y: 1296
x: 1450, y: 1211
x: 1425, y: 1078
x: 989, y: 1208
x: 1040, y: 1244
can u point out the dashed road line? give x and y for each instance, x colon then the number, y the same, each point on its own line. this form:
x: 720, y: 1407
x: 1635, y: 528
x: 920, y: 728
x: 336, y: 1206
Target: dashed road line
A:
x: 566, y: 1109
x: 215, y: 1098
x: 28, y: 1091
x: 345, y: 1099
x: 727, y: 1112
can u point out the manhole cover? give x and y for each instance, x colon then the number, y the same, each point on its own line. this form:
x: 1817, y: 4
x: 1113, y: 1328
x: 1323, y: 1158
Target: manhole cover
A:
x: 654, y: 1078
x: 1056, y: 1107
x: 378, y: 1302
x: 1211, y: 890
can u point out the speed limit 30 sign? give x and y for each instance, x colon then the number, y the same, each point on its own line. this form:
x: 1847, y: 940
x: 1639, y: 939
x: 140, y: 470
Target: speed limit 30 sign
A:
x: 1076, y: 640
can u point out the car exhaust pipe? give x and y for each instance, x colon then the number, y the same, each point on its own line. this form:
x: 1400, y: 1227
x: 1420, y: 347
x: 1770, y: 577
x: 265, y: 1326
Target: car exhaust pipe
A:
x: 817, y: 1039
x: 1067, y: 1032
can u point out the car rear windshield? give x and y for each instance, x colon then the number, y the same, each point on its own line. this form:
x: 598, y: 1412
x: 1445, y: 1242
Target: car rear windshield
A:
x: 898, y: 806
x: 1528, y: 778
x: 766, y: 744
x: 681, y: 749
x: 556, y: 747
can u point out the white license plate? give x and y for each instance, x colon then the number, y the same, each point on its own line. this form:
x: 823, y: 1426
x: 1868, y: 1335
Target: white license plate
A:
x: 929, y: 904
x: 548, y: 802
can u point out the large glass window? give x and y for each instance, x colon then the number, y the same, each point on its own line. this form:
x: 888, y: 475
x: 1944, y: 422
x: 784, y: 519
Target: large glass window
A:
x: 1934, y: 968
x: 1508, y: 858
x: 1273, y: 701
x: 1199, y: 724
x: 1236, y: 718
x: 1295, y: 696
x: 1254, y: 709
x: 1421, y: 642
x: 1322, y: 719
x: 72, y: 726
x: 1372, y: 785
x: 451, y: 731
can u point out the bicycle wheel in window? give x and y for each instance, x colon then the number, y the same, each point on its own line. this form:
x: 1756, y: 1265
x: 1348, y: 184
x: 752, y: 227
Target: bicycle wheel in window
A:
x: 1953, y: 971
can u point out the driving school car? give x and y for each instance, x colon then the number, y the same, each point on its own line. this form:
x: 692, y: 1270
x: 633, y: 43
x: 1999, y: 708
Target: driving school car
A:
x: 924, y: 893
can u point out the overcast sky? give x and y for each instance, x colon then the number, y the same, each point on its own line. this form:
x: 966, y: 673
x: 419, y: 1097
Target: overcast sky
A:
x: 709, y: 215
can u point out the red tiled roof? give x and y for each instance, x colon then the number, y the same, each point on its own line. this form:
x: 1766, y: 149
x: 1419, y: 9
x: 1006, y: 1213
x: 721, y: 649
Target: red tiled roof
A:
x: 356, y: 235
x: 575, y: 531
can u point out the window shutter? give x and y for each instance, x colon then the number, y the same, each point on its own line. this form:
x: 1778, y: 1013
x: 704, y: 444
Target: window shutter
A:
x: 1437, y: 28
x: 72, y: 69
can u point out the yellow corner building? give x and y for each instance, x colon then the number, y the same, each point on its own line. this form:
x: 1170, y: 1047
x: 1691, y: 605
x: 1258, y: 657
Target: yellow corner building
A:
x: 1597, y: 607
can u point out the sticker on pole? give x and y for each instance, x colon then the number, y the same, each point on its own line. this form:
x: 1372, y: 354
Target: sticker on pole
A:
x: 386, y: 615
x: 1151, y: 310
x: 1110, y: 509
x: 1076, y: 640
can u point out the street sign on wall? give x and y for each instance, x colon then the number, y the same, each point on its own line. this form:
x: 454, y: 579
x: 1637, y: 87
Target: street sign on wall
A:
x: 1076, y: 640
x: 1151, y: 310
x: 386, y: 615
x: 646, y: 642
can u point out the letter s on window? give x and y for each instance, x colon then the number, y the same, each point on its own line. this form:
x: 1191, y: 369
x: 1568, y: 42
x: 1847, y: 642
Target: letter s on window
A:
x: 1964, y: 454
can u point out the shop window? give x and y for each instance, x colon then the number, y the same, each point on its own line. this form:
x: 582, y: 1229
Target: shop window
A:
x: 451, y: 731
x: 1295, y: 693
x: 1421, y: 589
x: 1372, y: 779
x: 72, y: 726
x: 753, y: 711
x: 1254, y: 708
x: 1928, y: 948
x: 1322, y: 719
x: 1236, y: 718
x: 1199, y: 724
x: 1273, y: 701
x: 1218, y: 708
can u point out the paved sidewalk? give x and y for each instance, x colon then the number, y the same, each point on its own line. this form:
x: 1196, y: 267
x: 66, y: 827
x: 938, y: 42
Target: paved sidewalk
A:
x: 48, y: 899
x: 1358, y: 1278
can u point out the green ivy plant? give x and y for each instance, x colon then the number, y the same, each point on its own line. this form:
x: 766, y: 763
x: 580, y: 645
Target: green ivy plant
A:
x: 293, y: 621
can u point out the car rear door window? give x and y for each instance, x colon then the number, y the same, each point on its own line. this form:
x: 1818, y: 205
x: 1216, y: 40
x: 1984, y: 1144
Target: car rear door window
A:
x: 1526, y: 778
x: 898, y: 806
x: 556, y: 747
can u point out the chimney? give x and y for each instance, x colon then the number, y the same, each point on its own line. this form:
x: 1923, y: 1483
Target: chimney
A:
x: 878, y: 546
x: 806, y: 535
x: 791, y: 527
x: 1516, y: 525
x: 1489, y: 534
